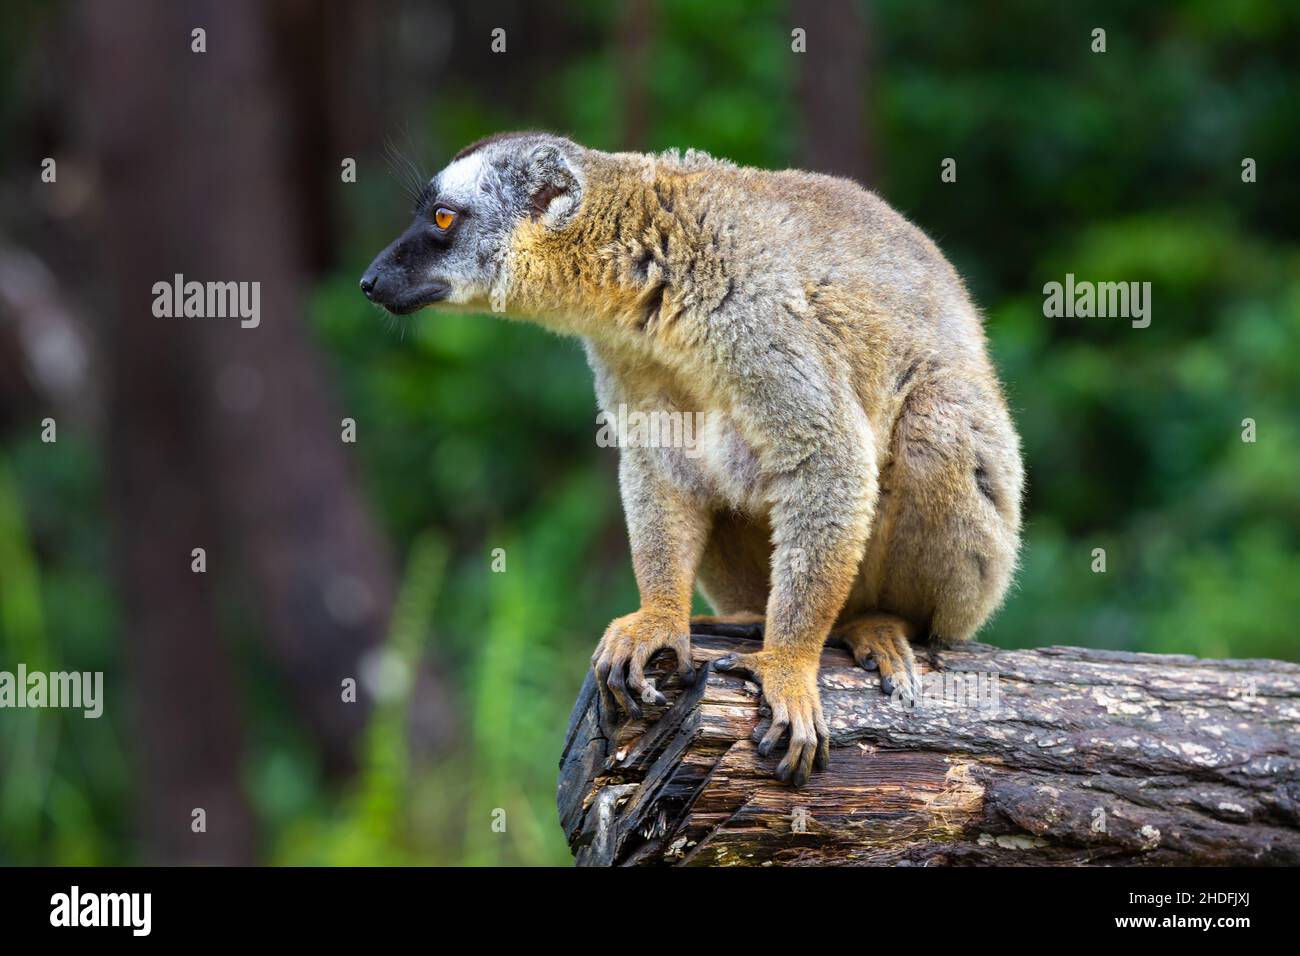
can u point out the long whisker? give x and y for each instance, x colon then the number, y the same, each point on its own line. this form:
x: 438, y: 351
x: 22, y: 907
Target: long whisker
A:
x: 404, y: 168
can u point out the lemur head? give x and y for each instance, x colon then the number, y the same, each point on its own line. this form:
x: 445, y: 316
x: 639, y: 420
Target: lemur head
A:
x: 457, y: 249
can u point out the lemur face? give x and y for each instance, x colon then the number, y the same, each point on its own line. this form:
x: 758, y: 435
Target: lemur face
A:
x: 457, y: 249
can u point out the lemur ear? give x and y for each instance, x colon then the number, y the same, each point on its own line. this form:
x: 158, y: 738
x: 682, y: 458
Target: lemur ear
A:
x: 554, y: 188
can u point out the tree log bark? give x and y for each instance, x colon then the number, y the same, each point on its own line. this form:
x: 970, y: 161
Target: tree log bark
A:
x: 1059, y: 755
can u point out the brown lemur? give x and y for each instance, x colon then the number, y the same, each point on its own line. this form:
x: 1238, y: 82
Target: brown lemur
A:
x: 858, y: 475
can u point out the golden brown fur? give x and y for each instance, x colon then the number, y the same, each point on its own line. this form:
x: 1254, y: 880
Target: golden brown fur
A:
x: 859, y: 469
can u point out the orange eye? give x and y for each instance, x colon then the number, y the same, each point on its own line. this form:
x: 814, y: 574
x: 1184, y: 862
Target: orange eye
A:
x: 443, y: 218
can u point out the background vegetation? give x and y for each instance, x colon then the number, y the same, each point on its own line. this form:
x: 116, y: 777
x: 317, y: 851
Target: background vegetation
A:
x: 476, y: 434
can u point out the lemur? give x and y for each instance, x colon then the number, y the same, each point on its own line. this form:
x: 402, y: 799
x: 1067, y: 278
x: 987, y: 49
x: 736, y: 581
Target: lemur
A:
x: 858, y: 476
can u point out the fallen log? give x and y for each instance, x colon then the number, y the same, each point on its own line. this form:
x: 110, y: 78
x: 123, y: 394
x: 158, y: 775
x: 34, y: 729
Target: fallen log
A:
x: 1053, y: 756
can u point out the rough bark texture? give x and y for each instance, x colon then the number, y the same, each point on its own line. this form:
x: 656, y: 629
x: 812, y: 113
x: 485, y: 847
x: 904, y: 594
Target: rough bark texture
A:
x: 1058, y: 755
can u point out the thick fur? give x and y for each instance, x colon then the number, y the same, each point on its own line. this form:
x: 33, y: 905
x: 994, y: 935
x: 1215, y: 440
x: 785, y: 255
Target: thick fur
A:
x: 859, y: 461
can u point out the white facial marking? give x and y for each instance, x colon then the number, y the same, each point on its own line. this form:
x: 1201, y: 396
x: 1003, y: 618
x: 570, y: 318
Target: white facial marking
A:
x: 460, y: 180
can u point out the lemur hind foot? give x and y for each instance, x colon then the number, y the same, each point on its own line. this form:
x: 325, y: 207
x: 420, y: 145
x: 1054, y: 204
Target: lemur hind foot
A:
x: 883, y: 642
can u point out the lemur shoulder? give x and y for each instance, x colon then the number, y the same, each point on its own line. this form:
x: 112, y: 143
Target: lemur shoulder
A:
x: 859, y: 476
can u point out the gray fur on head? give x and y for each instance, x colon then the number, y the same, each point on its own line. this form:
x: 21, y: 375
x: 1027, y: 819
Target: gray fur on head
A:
x: 490, y: 186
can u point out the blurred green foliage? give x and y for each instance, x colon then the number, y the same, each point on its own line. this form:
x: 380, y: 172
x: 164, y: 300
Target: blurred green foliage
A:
x: 476, y: 434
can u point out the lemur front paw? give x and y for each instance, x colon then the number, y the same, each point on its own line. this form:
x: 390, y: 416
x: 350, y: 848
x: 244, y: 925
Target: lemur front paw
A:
x: 621, y: 656
x: 789, y: 684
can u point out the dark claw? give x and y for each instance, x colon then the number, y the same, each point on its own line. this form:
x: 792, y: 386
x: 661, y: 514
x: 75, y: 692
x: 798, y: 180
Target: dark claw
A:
x: 608, y: 706
x: 887, y: 685
x: 797, y: 775
x: 618, y: 684
x: 823, y: 758
x: 725, y: 663
x: 868, y: 664
x: 773, y: 737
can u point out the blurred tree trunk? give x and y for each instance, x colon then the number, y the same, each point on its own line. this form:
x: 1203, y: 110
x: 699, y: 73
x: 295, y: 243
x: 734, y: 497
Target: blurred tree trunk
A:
x: 832, y: 87
x: 312, y: 558
x: 635, y: 40
x: 187, y: 744
x: 220, y: 436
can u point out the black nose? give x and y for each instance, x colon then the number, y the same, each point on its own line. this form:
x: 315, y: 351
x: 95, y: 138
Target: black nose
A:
x: 368, y: 285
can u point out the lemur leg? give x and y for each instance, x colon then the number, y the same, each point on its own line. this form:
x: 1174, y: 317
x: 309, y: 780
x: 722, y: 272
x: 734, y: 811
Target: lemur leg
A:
x: 882, y: 642
x: 944, y: 544
x: 666, y: 531
x: 821, y: 516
